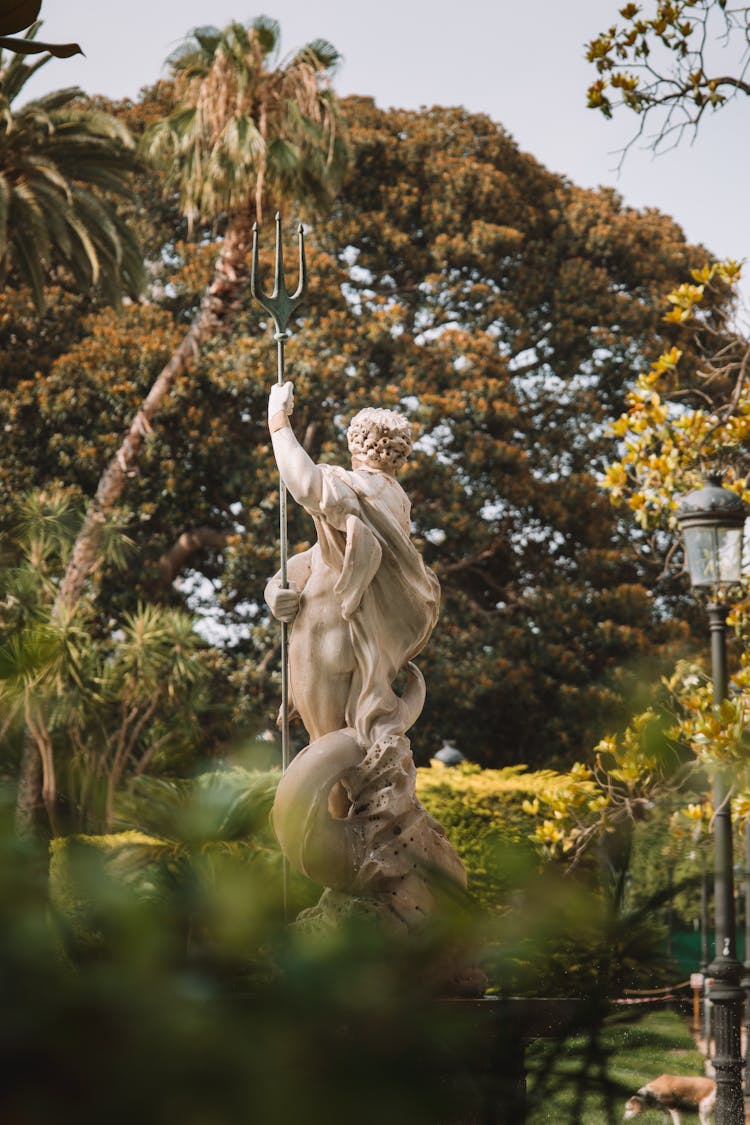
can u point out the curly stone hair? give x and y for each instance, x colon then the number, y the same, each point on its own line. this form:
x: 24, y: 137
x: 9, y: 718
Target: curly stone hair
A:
x: 381, y: 437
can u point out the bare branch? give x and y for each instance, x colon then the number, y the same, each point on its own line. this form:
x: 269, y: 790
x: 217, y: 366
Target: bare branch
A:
x: 188, y: 544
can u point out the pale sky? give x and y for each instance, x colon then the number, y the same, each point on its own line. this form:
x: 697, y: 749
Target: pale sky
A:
x: 519, y: 61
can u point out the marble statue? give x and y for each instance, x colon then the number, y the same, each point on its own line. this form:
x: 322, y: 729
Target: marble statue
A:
x: 361, y: 605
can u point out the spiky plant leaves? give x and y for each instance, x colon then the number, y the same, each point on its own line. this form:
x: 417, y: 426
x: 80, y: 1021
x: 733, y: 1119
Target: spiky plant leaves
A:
x: 102, y: 703
x: 224, y: 805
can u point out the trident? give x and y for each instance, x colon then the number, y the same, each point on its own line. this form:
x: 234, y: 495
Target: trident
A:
x: 280, y: 305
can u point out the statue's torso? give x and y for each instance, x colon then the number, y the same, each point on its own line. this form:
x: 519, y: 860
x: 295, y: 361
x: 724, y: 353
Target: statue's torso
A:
x: 363, y: 558
x: 321, y: 655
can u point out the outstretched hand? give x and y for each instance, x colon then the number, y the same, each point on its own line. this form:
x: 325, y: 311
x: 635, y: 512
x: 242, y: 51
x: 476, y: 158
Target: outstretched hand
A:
x: 281, y: 399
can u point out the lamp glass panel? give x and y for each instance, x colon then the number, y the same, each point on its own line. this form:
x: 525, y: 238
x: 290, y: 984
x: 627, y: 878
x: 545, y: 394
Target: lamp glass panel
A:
x: 714, y: 555
x: 730, y: 553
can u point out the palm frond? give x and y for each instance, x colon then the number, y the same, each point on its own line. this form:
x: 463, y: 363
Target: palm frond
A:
x: 17, y: 72
x: 55, y: 100
x: 219, y: 805
x: 283, y: 159
x: 30, y: 242
x: 42, y: 170
x: 267, y: 31
x: 56, y: 153
x: 208, y: 39
x: 196, y: 50
x: 84, y: 260
x: 49, y: 512
x: 321, y: 54
x: 98, y: 127
x: 25, y: 659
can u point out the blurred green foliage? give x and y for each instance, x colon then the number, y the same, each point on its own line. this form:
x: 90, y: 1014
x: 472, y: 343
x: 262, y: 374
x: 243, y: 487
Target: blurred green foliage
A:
x: 540, y: 929
x: 155, y: 977
x: 662, y: 858
x: 199, y: 1005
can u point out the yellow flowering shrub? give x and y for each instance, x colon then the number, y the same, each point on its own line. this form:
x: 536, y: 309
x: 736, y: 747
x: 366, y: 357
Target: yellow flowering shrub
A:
x: 500, y: 820
x: 488, y: 813
x: 668, y: 437
x: 484, y: 814
x: 665, y: 443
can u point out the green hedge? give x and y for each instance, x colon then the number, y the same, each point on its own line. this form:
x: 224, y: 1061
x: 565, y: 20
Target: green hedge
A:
x: 482, y: 815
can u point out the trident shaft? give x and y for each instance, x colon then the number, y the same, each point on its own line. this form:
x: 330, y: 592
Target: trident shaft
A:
x: 280, y: 305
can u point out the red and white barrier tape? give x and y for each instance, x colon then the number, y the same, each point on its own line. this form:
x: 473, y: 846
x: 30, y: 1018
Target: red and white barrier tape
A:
x: 646, y: 999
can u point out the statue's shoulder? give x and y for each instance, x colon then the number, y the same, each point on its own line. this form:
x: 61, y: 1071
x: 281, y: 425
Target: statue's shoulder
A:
x: 338, y: 497
x: 336, y: 471
x: 338, y: 478
x: 370, y: 482
x: 376, y: 489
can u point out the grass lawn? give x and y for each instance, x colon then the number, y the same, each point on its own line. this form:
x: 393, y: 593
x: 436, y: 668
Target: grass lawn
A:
x: 585, y: 1083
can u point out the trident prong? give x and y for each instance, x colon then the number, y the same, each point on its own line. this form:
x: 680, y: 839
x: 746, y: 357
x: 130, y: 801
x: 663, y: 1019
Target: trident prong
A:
x: 280, y: 304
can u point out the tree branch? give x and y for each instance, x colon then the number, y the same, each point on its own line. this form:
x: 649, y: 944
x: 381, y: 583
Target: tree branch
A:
x: 189, y: 543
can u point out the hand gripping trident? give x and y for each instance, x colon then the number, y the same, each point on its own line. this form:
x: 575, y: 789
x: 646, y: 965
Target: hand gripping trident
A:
x: 280, y: 305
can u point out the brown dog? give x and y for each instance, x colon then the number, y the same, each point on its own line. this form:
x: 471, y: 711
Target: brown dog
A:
x: 672, y: 1093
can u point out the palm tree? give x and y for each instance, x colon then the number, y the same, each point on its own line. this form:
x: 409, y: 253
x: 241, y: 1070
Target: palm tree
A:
x: 243, y: 131
x: 61, y: 162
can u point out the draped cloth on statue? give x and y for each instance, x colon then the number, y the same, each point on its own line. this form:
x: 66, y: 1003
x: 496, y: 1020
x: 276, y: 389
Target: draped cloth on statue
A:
x: 385, y: 592
x: 346, y: 811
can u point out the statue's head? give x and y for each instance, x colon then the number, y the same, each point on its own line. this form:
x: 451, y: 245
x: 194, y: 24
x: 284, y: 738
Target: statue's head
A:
x: 379, y: 439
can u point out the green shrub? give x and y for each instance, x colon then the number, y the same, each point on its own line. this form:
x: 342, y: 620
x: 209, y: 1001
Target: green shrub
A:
x: 193, y: 843
x: 483, y: 818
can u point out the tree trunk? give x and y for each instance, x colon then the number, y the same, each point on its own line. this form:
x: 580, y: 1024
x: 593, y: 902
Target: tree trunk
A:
x: 215, y: 310
x: 230, y: 273
x: 30, y: 810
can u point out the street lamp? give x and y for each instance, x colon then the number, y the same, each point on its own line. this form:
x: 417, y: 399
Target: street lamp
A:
x: 712, y: 520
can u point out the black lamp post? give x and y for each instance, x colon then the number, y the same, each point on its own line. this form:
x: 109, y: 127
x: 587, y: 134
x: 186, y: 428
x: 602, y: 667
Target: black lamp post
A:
x: 712, y: 521
x: 704, y: 917
x: 704, y: 950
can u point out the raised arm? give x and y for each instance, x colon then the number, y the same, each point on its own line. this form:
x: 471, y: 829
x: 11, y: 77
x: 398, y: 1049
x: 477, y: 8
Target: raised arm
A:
x: 302, y: 476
